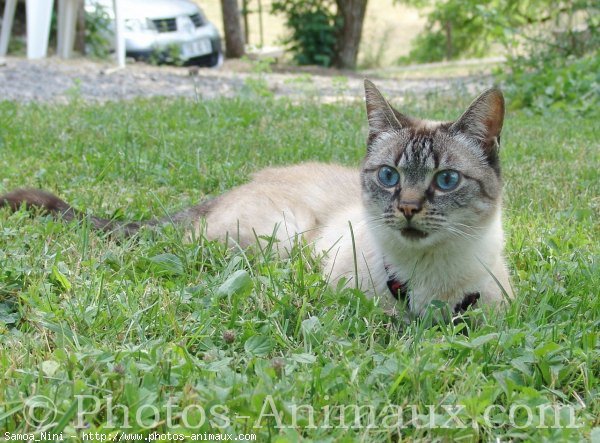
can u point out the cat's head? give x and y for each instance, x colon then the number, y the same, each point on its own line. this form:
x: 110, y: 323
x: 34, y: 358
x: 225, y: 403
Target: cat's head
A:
x: 427, y: 182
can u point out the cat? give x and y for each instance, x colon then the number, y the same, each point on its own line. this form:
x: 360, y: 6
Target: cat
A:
x: 419, y: 221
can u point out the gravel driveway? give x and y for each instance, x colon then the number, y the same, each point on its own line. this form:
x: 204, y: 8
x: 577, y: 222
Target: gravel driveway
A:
x: 56, y: 80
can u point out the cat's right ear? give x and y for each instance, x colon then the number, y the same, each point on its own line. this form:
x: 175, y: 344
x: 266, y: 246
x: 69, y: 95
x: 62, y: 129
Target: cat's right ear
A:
x: 482, y: 121
x: 382, y: 118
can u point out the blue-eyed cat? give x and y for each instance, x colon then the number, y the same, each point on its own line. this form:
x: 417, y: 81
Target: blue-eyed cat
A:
x: 419, y: 221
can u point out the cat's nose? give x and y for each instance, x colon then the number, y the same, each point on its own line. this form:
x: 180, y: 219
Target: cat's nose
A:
x: 410, y: 208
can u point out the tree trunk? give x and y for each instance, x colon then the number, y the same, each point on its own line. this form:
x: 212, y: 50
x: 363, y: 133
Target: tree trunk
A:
x: 234, y: 38
x: 449, y: 51
x: 245, y: 13
x: 352, y: 15
x: 80, y: 30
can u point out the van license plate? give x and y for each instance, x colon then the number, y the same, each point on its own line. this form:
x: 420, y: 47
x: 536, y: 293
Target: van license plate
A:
x: 196, y: 48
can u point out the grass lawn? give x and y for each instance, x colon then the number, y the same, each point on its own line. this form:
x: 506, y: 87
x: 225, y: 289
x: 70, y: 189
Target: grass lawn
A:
x: 158, y: 334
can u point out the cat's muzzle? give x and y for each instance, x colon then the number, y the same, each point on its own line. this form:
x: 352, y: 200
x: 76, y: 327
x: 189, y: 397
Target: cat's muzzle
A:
x: 413, y: 233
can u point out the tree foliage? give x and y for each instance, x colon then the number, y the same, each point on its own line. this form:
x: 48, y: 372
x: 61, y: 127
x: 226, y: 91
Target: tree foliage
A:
x: 552, y: 47
x: 554, y: 63
x: 323, y: 32
x: 453, y: 29
x: 314, y: 26
x: 459, y: 28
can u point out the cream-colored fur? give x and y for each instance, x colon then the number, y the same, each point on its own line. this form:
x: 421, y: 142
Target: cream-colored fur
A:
x: 283, y: 202
x: 358, y: 223
x: 323, y: 203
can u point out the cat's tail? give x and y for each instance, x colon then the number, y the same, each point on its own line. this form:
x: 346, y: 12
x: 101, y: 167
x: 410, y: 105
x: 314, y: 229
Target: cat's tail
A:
x: 50, y: 203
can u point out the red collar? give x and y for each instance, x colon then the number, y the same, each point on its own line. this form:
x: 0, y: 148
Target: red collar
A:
x: 398, y: 288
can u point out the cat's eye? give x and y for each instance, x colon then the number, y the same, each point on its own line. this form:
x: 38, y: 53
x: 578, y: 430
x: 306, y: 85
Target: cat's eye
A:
x: 447, y: 180
x: 388, y: 176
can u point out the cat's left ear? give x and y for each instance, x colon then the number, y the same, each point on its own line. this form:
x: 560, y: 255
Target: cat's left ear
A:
x: 483, y: 119
x: 382, y: 117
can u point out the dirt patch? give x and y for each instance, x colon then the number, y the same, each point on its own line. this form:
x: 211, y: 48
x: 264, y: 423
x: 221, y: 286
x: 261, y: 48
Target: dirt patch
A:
x: 56, y: 80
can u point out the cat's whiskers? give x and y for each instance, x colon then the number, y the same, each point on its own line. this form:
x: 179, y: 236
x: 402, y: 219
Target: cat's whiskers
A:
x: 469, y: 227
x: 469, y: 231
x: 380, y: 221
x: 461, y: 234
x: 379, y: 218
x: 379, y: 226
x: 435, y: 217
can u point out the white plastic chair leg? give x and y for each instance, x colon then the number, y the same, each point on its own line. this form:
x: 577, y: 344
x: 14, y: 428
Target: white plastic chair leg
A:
x: 119, y: 33
x: 7, y: 21
x: 39, y: 13
x: 67, y: 22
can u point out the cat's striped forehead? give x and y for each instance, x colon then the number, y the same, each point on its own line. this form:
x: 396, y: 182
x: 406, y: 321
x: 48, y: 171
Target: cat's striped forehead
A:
x: 415, y: 152
x: 424, y: 150
x: 418, y: 152
x: 471, y: 141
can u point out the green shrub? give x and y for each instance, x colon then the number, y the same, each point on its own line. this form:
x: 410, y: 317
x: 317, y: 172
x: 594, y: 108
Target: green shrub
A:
x: 547, y: 82
x: 455, y: 29
x: 313, y: 26
x: 553, y: 47
x: 560, y: 69
x: 98, y: 36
